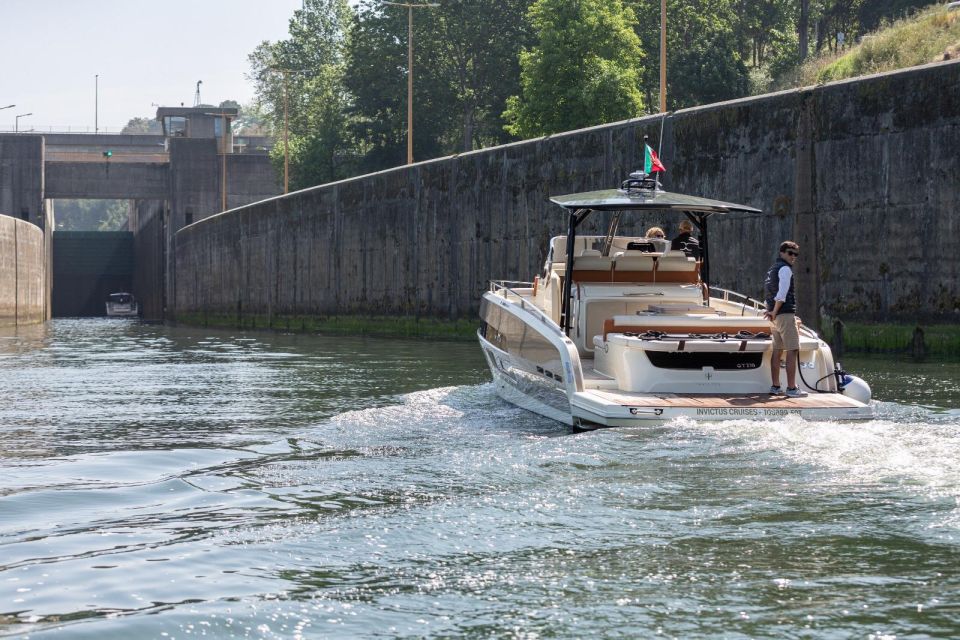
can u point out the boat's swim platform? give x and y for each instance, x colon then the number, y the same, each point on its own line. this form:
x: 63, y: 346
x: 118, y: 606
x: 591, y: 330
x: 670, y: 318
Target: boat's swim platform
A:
x: 720, y: 406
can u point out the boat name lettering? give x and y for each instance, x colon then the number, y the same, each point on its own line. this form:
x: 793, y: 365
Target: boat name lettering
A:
x: 746, y: 411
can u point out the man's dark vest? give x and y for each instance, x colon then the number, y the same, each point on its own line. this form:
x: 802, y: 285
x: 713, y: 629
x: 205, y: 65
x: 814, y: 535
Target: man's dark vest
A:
x: 772, y: 285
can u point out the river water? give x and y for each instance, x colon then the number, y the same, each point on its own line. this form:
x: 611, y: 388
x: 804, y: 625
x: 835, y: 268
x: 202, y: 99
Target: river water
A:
x: 160, y: 482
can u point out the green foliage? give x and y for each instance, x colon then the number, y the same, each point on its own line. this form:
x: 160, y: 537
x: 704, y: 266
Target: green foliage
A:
x: 465, y: 66
x: 584, y: 70
x: 486, y: 72
x: 862, y: 337
x: 253, y: 120
x: 473, y: 48
x: 91, y: 215
x: 905, y: 43
x: 299, y: 83
x: 143, y: 126
x: 704, y: 61
x: 376, y: 79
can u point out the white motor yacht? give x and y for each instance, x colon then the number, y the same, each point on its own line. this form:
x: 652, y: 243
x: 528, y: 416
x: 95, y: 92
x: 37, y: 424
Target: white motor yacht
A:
x: 620, y: 331
x: 122, y: 305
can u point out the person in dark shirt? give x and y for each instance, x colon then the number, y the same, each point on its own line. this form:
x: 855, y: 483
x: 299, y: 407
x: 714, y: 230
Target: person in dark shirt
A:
x: 685, y: 241
x: 781, y: 306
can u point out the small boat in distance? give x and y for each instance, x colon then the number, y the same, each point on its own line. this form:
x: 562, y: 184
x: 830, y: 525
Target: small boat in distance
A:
x: 620, y: 331
x: 122, y: 305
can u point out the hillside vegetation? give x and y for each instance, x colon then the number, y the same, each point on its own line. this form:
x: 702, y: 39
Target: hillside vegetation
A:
x: 930, y: 36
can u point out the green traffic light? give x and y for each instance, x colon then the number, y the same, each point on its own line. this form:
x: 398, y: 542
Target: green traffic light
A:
x: 107, y: 153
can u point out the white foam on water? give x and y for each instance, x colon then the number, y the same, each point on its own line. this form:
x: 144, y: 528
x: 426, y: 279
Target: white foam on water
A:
x: 443, y: 409
x: 916, y: 453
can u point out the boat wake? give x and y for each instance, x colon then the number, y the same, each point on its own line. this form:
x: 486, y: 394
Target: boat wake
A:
x: 907, y: 447
x: 458, y: 409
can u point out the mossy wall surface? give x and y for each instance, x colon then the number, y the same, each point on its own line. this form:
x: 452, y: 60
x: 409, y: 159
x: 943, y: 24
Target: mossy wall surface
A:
x: 865, y: 174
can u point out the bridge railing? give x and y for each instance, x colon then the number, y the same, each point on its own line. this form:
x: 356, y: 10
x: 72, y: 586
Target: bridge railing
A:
x: 6, y: 128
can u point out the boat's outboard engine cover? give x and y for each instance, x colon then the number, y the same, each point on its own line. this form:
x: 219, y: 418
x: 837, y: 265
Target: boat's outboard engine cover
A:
x: 856, y: 388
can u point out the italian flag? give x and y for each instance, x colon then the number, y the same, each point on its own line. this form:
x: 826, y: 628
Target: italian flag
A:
x: 651, y: 163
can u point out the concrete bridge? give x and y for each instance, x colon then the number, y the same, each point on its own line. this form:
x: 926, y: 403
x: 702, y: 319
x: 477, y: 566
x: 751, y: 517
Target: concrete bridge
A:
x: 195, y: 169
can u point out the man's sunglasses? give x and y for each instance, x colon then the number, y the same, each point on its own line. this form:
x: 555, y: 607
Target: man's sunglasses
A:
x: 792, y: 253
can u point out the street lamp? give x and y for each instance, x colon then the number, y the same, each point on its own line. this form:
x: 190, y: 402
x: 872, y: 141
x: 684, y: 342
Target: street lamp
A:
x: 16, y: 125
x: 96, y: 103
x: 410, y: 8
x: 9, y: 106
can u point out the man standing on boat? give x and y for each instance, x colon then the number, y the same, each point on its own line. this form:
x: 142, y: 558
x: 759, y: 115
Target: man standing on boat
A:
x: 781, y: 311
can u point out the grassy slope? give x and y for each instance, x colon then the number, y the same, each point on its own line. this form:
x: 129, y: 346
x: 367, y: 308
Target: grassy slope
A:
x: 932, y: 35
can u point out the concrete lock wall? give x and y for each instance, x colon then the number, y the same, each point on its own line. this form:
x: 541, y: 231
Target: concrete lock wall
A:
x: 21, y: 177
x: 863, y: 173
x: 23, y: 291
x: 148, y: 224
x: 107, y: 180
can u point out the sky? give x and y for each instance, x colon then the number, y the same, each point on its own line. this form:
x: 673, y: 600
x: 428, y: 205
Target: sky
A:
x: 145, y: 53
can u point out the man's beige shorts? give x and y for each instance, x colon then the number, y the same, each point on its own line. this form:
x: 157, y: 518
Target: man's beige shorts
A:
x: 784, y: 332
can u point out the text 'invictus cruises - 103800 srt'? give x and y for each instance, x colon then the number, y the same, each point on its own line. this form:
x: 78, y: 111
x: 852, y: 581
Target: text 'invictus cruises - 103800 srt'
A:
x: 620, y: 331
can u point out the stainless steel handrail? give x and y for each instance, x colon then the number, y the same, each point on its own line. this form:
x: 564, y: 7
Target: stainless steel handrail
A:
x: 496, y: 286
x: 741, y: 299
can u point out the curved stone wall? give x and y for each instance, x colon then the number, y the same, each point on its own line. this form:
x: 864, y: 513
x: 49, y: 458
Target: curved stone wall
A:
x: 22, y: 273
x: 863, y: 173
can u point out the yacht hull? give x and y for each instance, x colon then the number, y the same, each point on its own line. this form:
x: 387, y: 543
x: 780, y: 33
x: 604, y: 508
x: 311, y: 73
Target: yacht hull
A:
x: 514, y: 382
x: 550, y: 381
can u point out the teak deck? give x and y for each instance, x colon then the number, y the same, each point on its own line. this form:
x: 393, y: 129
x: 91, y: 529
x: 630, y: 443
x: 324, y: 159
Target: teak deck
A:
x: 756, y: 400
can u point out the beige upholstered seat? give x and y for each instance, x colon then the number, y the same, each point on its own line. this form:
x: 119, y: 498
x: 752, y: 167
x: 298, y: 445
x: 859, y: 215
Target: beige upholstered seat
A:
x: 634, y: 264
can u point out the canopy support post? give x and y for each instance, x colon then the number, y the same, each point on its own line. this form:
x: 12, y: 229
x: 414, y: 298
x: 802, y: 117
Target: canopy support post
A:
x: 576, y: 217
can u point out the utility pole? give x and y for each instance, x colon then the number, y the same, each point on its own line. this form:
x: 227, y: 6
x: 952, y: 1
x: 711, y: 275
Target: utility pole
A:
x: 286, y: 142
x: 286, y: 123
x: 410, y: 8
x: 96, y: 103
x: 663, y: 56
x: 223, y: 160
x: 223, y: 156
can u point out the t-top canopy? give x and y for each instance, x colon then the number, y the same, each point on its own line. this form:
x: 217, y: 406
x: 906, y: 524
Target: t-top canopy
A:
x: 645, y: 200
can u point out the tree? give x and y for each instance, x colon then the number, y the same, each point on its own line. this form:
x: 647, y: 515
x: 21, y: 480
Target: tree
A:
x: 302, y: 77
x: 476, y: 46
x: 91, y: 215
x: 143, y: 126
x: 376, y: 80
x: 706, y: 65
x: 465, y: 67
x: 584, y: 70
x: 704, y: 60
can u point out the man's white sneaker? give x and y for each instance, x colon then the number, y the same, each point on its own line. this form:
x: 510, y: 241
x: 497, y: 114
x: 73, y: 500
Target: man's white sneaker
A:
x: 776, y: 391
x: 796, y: 392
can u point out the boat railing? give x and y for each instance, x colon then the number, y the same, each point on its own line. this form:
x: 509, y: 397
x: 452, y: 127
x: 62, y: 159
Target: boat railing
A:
x: 506, y: 288
x: 734, y: 298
